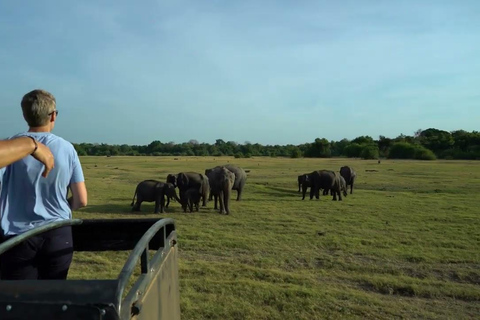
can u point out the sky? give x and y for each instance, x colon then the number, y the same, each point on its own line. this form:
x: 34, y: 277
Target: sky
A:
x: 268, y: 72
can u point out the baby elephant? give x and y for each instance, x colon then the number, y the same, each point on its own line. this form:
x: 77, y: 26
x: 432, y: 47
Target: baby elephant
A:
x: 192, y: 198
x: 153, y: 190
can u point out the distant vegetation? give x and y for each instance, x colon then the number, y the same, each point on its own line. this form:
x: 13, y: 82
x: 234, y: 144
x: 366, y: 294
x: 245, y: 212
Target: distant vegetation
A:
x: 427, y: 144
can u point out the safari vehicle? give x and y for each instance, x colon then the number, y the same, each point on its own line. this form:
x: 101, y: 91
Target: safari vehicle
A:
x: 153, y: 295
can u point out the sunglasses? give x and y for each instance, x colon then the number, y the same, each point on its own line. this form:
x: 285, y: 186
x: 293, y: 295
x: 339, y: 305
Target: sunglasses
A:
x: 56, y: 113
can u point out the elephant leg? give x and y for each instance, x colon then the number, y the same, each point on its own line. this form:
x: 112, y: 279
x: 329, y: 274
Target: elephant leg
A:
x: 168, y: 202
x: 335, y: 192
x: 304, y: 191
x: 351, y: 188
x: 216, y: 202
x: 204, y: 200
x: 240, y: 191
x: 162, y: 204
x: 222, y: 207
x: 226, y: 199
x: 312, y: 191
x: 182, y: 196
x: 137, y: 204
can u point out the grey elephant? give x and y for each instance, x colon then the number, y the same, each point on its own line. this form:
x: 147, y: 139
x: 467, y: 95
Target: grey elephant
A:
x: 192, y: 198
x: 301, y: 180
x: 153, y: 190
x: 305, y: 183
x: 343, y: 185
x: 349, y: 175
x: 221, y: 183
x: 328, y: 181
x: 172, y: 178
x: 188, y: 180
x: 240, y: 178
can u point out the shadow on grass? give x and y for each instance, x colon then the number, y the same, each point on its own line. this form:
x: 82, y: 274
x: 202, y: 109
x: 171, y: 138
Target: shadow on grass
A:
x: 146, y: 208
x: 279, y: 193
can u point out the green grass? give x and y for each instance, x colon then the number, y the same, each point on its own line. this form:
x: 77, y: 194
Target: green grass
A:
x: 405, y: 245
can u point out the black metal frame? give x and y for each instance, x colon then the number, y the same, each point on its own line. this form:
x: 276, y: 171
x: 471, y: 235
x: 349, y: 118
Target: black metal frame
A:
x: 91, y: 299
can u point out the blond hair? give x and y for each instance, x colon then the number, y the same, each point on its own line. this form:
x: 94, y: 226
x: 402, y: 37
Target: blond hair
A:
x: 37, y: 106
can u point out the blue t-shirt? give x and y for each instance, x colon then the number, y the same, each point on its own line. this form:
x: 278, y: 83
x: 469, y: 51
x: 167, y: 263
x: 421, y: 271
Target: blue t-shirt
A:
x: 28, y: 200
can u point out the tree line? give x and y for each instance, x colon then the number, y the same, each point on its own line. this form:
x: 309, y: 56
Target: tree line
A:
x: 429, y: 144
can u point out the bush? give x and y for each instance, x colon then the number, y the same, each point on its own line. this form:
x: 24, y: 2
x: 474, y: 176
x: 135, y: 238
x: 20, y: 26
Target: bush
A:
x: 422, y: 153
x: 238, y: 155
x: 402, y: 150
x: 296, y: 153
x: 405, y: 150
x: 353, y: 150
x: 369, y: 152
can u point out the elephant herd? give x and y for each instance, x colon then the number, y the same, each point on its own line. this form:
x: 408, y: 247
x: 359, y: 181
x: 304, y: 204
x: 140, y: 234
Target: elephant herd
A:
x: 216, y: 183
x: 335, y: 182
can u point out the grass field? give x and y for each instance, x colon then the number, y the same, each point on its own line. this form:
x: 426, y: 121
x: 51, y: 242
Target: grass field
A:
x: 405, y: 245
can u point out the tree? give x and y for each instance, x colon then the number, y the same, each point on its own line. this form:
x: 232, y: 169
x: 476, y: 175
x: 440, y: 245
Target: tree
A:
x: 154, y: 146
x: 353, y: 150
x: 436, y: 140
x: 338, y: 147
x: 319, y: 149
x: 369, y: 152
x: 193, y: 141
x: 363, y: 140
x: 405, y: 150
x: 295, y: 153
x: 383, y: 145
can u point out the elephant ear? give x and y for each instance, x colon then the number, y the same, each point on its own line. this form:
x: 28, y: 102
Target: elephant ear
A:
x: 183, y: 179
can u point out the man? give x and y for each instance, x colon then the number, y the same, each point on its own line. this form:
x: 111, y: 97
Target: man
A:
x: 28, y: 200
x: 18, y: 148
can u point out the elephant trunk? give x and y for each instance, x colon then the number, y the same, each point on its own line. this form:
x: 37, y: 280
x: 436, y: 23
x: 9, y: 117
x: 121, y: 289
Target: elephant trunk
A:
x: 176, y: 197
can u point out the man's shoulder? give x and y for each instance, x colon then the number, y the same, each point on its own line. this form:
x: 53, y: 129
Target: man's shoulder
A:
x: 61, y: 140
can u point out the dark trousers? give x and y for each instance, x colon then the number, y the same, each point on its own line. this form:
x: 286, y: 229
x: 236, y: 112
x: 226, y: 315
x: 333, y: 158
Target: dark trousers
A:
x: 45, y: 256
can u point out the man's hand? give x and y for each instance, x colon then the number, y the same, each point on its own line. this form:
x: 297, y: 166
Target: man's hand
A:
x: 45, y: 156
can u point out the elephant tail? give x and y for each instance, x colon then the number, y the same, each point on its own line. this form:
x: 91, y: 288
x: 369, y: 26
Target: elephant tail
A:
x: 133, y: 200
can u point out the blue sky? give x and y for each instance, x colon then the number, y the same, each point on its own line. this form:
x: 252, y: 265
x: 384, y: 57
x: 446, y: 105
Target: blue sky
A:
x: 272, y: 72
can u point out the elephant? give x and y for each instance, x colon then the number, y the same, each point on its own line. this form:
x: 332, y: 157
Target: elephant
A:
x: 188, y: 180
x: 306, y: 183
x: 172, y: 178
x: 192, y: 198
x: 301, y: 180
x: 240, y: 178
x: 326, y: 180
x: 343, y: 185
x: 222, y: 181
x: 349, y: 175
x: 153, y: 190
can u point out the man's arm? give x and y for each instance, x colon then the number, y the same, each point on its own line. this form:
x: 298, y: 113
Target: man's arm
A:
x: 79, y: 195
x: 18, y: 148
